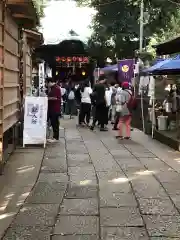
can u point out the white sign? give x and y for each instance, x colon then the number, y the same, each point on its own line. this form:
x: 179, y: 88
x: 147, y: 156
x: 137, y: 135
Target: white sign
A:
x: 41, y: 79
x: 35, y: 120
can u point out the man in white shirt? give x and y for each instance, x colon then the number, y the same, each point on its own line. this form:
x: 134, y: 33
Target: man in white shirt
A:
x: 108, y: 94
x: 63, y: 100
x: 85, y: 107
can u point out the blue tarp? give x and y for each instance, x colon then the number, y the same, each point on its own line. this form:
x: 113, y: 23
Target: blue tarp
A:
x: 156, y: 66
x: 165, y: 64
x: 173, y: 64
x: 111, y: 68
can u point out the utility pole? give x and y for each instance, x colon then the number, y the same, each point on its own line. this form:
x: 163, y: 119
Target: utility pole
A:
x: 141, y: 26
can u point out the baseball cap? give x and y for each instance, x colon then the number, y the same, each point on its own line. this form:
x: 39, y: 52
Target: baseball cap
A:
x: 125, y: 85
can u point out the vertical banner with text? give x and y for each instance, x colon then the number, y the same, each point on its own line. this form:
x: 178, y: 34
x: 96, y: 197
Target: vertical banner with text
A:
x: 41, y: 79
x: 126, y: 70
x: 35, y: 120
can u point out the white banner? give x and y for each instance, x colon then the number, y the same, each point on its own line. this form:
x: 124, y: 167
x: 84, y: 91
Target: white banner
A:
x: 35, y: 120
x: 41, y: 79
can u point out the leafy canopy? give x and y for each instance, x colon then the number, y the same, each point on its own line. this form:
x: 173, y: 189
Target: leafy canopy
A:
x: 116, y: 24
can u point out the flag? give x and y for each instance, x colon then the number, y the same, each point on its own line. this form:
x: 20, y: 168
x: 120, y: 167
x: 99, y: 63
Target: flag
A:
x: 126, y: 70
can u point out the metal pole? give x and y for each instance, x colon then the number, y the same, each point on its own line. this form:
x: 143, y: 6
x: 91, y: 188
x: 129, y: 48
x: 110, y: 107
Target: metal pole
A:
x: 142, y: 111
x: 141, y: 26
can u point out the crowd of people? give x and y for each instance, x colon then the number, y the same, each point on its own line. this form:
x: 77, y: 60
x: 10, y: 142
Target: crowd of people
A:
x: 103, y: 103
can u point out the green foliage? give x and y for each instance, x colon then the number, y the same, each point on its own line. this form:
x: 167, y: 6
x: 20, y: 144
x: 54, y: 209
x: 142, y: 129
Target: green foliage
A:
x: 116, y: 24
x: 40, y: 5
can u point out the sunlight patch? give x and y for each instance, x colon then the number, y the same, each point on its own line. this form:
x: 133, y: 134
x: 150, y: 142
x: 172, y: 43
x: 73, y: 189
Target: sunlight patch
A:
x: 145, y: 172
x: 26, y: 169
x: 118, y: 180
x: 6, y: 215
x: 85, y: 182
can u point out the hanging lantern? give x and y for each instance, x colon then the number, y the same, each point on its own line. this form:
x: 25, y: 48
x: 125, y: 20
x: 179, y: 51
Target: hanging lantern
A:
x: 83, y: 73
x: 68, y: 59
x: 74, y: 59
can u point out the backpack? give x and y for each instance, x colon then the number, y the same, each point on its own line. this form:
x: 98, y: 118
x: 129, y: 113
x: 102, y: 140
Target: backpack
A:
x: 132, y: 103
x: 71, y: 95
x: 113, y: 98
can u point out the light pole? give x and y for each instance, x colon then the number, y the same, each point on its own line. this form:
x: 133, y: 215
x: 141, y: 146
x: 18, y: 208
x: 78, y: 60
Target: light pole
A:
x: 141, y: 26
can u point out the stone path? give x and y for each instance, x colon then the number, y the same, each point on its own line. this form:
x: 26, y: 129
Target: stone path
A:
x: 93, y: 187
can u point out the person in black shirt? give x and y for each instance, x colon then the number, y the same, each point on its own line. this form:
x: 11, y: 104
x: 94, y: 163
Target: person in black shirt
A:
x: 100, y: 104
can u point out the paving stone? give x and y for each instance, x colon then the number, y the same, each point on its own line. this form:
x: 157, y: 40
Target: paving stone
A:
x: 87, y: 191
x: 75, y: 237
x: 128, y: 161
x: 104, y: 166
x: 121, y: 153
x: 82, y: 169
x: 53, y: 177
x: 80, y: 174
x: 78, y: 159
x: 148, y: 188
x: 111, y: 144
x: 28, y: 233
x: 124, y: 216
x: 153, y: 163
x: 47, y: 193
x: 70, y: 135
x: 166, y: 226
x: 164, y: 238
x: 77, y: 141
x: 55, y: 153
x: 157, y: 206
x: 135, y: 147
x: 133, y: 172
x: 131, y: 164
x: 79, y: 207
x: 143, y: 154
x: 172, y: 189
x: 37, y: 215
x: 176, y: 200
x: 86, y: 225
x: 169, y: 176
x: 111, y: 176
x: 54, y: 165
x: 115, y: 187
x: 124, y: 233
x: 109, y: 199
x: 76, y: 148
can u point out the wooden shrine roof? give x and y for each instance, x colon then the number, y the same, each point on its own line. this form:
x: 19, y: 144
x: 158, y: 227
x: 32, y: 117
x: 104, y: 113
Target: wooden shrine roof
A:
x: 24, y: 12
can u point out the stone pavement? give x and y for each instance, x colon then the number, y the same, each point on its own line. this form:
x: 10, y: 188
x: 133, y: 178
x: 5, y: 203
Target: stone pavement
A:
x: 93, y: 187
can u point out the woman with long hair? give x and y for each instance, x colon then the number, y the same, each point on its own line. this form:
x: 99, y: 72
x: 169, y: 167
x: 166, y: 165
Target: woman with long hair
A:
x: 85, y: 106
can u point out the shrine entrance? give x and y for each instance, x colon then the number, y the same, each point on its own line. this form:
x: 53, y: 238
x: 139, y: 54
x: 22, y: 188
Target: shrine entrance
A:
x: 68, y: 59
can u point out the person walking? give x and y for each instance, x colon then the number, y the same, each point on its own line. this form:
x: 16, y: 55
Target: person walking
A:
x: 113, y: 104
x: 54, y: 106
x: 118, y: 108
x: 71, y: 101
x: 125, y: 100
x: 100, y: 110
x: 85, y: 106
x: 108, y: 94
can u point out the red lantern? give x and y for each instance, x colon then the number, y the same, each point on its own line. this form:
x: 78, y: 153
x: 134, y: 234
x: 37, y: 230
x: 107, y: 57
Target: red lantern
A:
x: 58, y: 59
x: 80, y: 59
x: 63, y: 59
x: 74, y: 59
x: 85, y: 59
x: 68, y: 59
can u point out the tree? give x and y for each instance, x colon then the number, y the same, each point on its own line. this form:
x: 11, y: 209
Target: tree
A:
x: 116, y: 23
x: 40, y: 5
